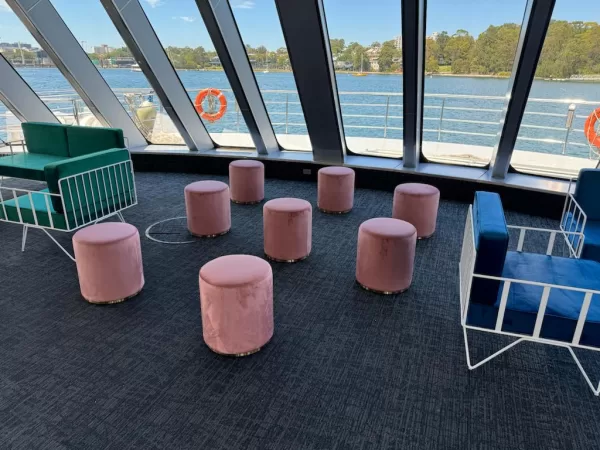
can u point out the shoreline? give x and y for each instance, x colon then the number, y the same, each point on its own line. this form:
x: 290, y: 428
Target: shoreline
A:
x: 596, y: 78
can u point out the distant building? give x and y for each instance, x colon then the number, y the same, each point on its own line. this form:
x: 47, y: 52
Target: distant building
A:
x: 373, y: 55
x: 43, y: 58
x: 433, y: 35
x: 123, y: 61
x: 102, y: 49
x: 215, y: 61
x: 398, y: 40
x: 343, y: 65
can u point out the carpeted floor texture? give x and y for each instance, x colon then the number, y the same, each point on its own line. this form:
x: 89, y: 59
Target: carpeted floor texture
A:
x: 346, y: 368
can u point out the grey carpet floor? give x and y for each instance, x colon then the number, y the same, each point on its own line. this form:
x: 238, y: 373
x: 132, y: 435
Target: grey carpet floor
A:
x: 345, y: 369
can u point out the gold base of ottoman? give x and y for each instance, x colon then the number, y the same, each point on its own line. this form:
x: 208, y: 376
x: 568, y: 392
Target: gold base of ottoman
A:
x: 112, y: 302
x: 247, y: 203
x: 286, y: 260
x: 210, y: 235
x: 326, y: 211
x: 238, y: 355
x: 380, y: 292
x: 425, y: 237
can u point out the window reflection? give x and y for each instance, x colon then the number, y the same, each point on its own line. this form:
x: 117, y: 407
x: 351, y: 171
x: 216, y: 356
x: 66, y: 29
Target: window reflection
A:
x: 552, y: 139
x: 468, y: 63
x: 90, y: 24
x: 366, y: 47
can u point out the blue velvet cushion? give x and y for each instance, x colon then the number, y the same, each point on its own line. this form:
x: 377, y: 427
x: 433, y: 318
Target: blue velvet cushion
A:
x: 491, y: 242
x: 586, y: 192
x: 562, y: 311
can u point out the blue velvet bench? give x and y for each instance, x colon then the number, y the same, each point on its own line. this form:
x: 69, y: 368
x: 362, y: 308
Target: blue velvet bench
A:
x: 534, y: 297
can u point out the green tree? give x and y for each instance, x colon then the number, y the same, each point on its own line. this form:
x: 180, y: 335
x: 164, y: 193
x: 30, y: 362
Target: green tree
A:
x: 495, y: 49
x: 432, y: 51
x: 459, y: 51
x: 337, y: 46
x: 387, y: 56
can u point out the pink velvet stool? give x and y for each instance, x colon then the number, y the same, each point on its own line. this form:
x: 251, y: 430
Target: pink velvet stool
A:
x: 287, y: 229
x: 236, y: 301
x: 417, y: 204
x: 386, y: 255
x: 247, y: 181
x: 109, y: 262
x: 208, y: 208
x: 336, y: 190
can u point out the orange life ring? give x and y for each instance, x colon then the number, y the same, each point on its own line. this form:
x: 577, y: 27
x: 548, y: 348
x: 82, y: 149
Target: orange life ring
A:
x: 590, y: 128
x: 211, y: 117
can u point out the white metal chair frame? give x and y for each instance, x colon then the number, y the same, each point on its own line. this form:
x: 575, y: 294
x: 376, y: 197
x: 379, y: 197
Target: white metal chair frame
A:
x: 95, y: 178
x: 572, y: 209
x: 467, y: 268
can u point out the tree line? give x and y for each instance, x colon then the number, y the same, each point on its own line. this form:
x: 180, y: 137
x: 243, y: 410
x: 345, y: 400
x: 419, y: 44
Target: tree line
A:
x: 570, y: 48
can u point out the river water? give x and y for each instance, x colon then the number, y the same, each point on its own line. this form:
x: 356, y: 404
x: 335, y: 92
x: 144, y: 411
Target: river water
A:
x: 472, y: 120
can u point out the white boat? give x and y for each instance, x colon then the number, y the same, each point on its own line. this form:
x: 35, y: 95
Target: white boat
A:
x: 267, y: 69
x: 135, y: 68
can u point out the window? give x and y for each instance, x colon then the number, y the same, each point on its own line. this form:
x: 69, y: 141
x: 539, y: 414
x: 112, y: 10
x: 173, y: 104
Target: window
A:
x: 90, y: 24
x: 260, y: 29
x: 470, y: 50
x: 33, y: 64
x: 366, y: 46
x: 182, y: 33
x: 565, y: 93
x: 10, y: 127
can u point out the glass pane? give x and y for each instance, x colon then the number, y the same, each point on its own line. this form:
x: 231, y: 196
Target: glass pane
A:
x: 181, y: 30
x: 261, y: 31
x: 24, y: 53
x: 90, y: 24
x: 552, y: 139
x: 366, y: 47
x: 10, y: 128
x: 470, y: 52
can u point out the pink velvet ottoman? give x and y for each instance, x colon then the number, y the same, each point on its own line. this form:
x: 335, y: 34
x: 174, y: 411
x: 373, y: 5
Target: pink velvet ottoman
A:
x: 208, y: 208
x: 236, y: 301
x: 386, y: 254
x: 336, y: 190
x: 287, y: 229
x: 417, y: 204
x: 247, y: 181
x: 109, y: 262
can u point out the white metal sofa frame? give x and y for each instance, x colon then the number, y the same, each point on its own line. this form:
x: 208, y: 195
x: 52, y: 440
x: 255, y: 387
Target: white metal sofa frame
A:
x: 467, y: 267
x: 96, y: 179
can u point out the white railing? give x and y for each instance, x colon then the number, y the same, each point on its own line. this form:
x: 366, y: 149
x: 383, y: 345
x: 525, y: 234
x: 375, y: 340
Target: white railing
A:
x: 286, y: 113
x: 467, y: 275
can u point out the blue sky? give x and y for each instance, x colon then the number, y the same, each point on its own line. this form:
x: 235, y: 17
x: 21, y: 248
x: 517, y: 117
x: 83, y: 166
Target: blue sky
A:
x: 178, y: 22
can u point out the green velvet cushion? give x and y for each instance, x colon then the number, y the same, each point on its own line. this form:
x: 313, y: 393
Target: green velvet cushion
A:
x: 100, y: 192
x: 86, y: 140
x: 27, y: 165
x: 46, y: 138
x: 9, y: 209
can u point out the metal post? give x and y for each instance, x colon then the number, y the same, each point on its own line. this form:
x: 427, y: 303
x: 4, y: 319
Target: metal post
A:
x: 413, y: 60
x: 569, y: 125
x: 75, y: 111
x: 536, y: 21
x: 305, y: 32
x: 441, y: 120
x: 387, y: 110
x: 286, y: 113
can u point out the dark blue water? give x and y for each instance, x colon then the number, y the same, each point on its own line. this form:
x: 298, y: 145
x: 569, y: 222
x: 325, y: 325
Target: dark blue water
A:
x: 372, y: 108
